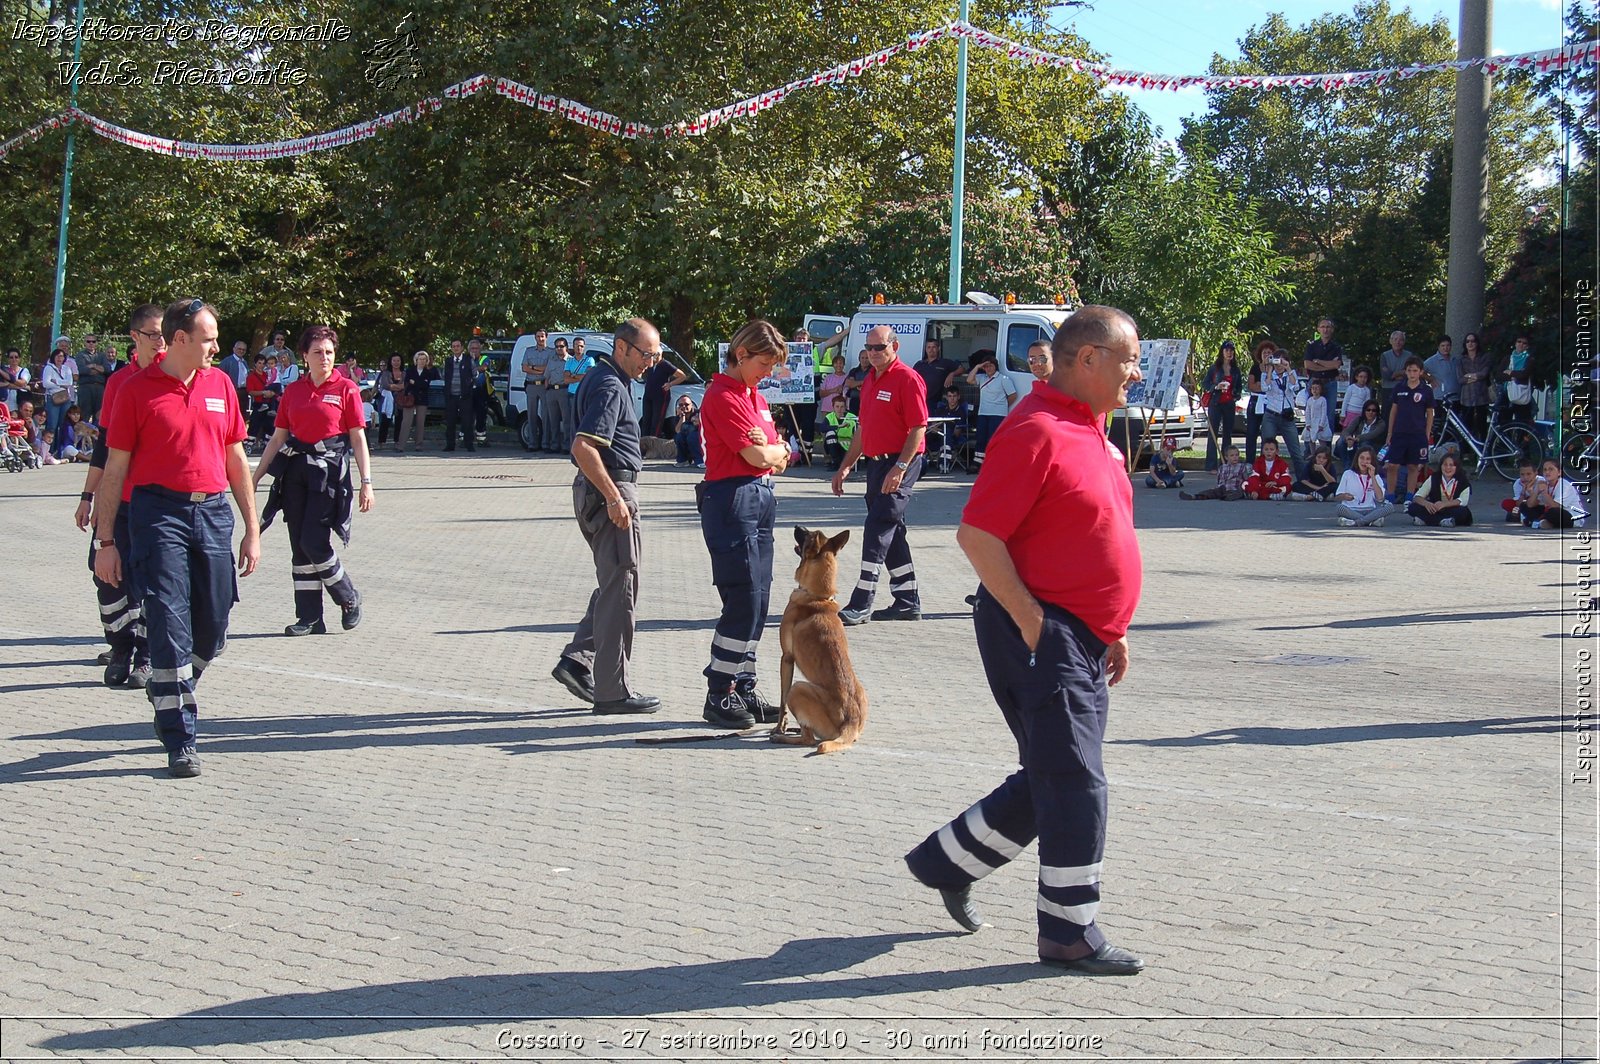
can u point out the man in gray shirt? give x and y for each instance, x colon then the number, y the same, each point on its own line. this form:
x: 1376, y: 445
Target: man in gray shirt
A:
x: 94, y: 367
x: 1444, y: 372
x: 1392, y: 368
x: 534, y: 366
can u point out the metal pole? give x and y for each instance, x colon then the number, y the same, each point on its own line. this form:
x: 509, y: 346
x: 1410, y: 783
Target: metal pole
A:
x: 66, y: 185
x: 960, y: 164
x: 1469, y: 180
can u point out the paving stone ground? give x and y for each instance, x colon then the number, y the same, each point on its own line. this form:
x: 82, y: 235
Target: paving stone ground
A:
x: 1344, y: 823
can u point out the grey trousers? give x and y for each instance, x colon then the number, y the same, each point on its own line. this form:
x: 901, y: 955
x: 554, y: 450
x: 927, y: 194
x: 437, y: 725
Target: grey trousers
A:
x: 1367, y: 517
x: 557, y: 415
x: 533, y: 395
x: 603, y: 641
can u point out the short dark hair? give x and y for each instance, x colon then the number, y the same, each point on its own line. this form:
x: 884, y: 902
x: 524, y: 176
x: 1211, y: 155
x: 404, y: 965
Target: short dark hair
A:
x: 1412, y: 361
x: 312, y: 334
x: 180, y: 316
x: 630, y: 331
x: 13, y: 351
x: 143, y: 314
x: 1088, y: 325
x: 1444, y: 339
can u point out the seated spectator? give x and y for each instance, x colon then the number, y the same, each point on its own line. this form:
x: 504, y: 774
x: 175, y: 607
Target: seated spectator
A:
x: 839, y: 432
x: 1558, y: 504
x: 263, y: 399
x: 1230, y: 479
x: 47, y: 448
x: 1366, y: 431
x: 1321, y: 479
x: 1527, y: 486
x: 1271, y: 478
x: 1361, y: 495
x: 952, y: 434
x: 1164, y: 471
x: 1442, y: 498
x: 69, y: 435
x: 1319, y: 431
x: 686, y: 434
x: 88, y: 433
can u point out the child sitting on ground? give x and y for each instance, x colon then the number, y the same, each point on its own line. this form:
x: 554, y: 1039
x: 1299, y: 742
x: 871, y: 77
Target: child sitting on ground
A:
x: 1230, y: 479
x: 1320, y: 481
x: 1523, y: 492
x: 1164, y: 471
x: 1271, y: 479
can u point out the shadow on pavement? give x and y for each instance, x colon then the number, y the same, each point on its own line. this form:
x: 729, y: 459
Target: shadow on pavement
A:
x: 324, y: 732
x: 1358, y: 733
x: 789, y: 976
x: 1401, y: 620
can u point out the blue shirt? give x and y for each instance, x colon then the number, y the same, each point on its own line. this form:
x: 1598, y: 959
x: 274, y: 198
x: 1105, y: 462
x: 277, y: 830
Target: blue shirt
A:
x: 580, y: 366
x: 1411, y: 406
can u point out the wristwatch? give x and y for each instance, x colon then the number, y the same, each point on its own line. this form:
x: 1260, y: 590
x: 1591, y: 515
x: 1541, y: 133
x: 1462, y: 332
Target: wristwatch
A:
x: 101, y: 544
x: 903, y: 466
x: 366, y: 482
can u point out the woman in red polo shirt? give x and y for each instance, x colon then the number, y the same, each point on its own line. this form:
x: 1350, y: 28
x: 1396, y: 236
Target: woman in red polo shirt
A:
x: 737, y: 511
x: 320, y: 424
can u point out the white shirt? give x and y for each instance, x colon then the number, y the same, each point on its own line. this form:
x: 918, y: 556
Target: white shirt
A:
x: 1567, y: 497
x: 993, y: 396
x: 1317, y: 426
x: 59, y: 377
x: 1365, y: 492
x: 1517, y: 492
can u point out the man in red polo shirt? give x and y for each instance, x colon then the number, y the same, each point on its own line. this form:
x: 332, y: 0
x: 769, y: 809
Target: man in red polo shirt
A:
x: 120, y: 615
x: 1049, y: 529
x: 177, y: 437
x: 893, y: 424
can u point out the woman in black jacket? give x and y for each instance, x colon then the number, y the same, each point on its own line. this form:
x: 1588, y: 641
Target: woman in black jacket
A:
x: 1224, y: 384
x: 413, y: 400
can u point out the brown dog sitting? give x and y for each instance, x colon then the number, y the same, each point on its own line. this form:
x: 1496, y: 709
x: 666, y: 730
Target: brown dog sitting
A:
x: 830, y: 704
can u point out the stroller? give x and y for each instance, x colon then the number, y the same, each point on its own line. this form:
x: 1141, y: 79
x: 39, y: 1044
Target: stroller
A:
x: 15, y: 452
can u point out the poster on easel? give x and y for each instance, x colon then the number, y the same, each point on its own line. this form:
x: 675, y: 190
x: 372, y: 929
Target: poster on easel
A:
x: 793, y: 381
x: 1163, y: 365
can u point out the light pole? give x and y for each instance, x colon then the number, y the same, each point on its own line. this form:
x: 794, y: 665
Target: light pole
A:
x: 960, y: 163
x: 66, y: 180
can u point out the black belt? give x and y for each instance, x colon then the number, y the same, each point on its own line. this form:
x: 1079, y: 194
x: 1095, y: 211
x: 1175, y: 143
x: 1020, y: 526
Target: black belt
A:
x: 881, y: 457
x: 182, y: 496
x: 618, y: 476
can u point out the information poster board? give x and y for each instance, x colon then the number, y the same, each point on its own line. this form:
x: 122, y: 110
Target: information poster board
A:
x: 1162, y: 364
x: 793, y: 381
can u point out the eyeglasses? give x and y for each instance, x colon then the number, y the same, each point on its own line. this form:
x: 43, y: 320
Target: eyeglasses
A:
x: 1038, y: 360
x: 148, y: 334
x: 874, y: 347
x: 649, y: 356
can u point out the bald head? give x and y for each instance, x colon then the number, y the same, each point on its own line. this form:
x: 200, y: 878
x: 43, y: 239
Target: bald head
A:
x: 1096, y: 356
x: 1090, y: 326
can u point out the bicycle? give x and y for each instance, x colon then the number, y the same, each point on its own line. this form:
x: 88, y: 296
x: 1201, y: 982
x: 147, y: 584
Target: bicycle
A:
x: 1504, y: 446
x: 1579, y: 453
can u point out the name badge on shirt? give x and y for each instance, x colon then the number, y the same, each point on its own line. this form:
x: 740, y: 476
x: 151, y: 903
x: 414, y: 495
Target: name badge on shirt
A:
x: 333, y: 399
x: 885, y: 396
x: 766, y: 415
x: 217, y: 406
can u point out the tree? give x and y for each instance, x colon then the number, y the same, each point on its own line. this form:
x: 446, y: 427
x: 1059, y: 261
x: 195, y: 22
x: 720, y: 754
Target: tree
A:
x: 1323, y: 166
x: 1185, y: 255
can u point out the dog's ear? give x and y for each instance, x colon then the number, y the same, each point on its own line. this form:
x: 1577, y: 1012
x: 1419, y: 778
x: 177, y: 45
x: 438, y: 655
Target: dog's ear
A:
x: 834, y: 545
x: 801, y: 533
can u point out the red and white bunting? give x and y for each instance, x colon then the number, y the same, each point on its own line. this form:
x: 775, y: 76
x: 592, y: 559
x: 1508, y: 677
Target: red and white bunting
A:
x: 1556, y: 59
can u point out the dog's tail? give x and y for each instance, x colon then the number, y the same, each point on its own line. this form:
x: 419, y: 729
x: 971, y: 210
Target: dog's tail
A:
x: 855, y: 722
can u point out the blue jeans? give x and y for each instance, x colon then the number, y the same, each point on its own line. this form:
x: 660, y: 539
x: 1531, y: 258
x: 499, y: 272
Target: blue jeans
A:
x: 1275, y: 424
x: 181, y: 556
x: 688, y: 441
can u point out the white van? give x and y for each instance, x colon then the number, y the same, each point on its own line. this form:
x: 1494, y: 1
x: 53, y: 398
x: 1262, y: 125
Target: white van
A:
x: 595, y: 343
x: 967, y: 328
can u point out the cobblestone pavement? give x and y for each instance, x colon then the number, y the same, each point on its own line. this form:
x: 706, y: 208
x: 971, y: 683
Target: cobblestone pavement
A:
x: 1343, y: 817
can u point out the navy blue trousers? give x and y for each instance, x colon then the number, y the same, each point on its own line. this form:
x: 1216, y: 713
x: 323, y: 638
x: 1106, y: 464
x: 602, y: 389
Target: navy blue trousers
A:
x: 736, y: 519
x: 120, y: 613
x: 182, y: 561
x: 1054, y: 700
x: 307, y: 513
x: 883, y: 540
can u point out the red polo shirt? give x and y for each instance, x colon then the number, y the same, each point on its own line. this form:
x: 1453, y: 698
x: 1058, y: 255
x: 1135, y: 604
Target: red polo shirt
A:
x: 178, y: 434
x: 1056, y: 491
x: 892, y: 404
x: 728, y: 413
x: 108, y: 403
x: 313, y: 413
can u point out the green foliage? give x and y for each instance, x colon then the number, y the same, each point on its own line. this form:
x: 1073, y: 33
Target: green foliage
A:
x: 1184, y: 255
x: 1328, y: 168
